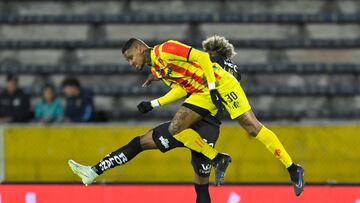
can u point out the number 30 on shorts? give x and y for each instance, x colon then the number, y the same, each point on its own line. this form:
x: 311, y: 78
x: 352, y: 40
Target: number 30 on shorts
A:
x: 231, y: 97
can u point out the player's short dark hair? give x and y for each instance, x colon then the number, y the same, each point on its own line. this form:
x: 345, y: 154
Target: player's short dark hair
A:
x: 128, y: 44
x: 71, y: 82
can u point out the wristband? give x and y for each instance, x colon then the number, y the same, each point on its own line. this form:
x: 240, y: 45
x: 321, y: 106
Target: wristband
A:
x: 155, y: 103
x: 212, y: 86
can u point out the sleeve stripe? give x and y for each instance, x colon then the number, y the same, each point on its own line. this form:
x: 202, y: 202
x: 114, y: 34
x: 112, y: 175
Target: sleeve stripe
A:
x: 196, y: 65
x: 157, y: 51
x: 187, y: 58
x: 185, y: 84
x: 187, y: 73
x: 176, y: 49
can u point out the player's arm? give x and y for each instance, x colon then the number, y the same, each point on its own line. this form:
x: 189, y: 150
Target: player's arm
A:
x: 173, y: 95
x: 176, y: 92
x: 173, y: 50
x: 204, y: 60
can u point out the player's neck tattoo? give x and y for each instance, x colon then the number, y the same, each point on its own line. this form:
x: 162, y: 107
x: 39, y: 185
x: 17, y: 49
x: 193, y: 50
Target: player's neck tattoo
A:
x: 148, y: 56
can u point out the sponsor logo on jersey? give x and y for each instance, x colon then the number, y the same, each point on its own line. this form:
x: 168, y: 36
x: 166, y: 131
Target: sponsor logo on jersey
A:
x: 231, y: 65
x: 170, y: 69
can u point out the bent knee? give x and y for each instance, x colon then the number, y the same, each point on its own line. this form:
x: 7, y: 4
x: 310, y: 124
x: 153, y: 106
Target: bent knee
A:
x: 146, y: 141
x: 174, y: 129
x: 254, y: 131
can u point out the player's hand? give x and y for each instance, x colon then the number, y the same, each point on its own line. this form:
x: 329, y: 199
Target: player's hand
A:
x: 149, y: 80
x: 217, y: 99
x: 144, y: 106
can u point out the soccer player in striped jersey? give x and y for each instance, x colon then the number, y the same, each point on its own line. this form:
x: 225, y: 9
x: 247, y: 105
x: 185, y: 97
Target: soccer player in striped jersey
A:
x: 178, y: 65
x: 208, y: 83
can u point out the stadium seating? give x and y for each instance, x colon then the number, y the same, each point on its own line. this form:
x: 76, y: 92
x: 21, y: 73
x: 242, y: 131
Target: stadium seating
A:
x: 180, y: 18
x: 108, y: 69
x: 310, y: 52
x: 241, y: 44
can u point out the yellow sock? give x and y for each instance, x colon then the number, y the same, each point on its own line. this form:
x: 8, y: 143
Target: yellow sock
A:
x: 192, y: 140
x: 273, y: 144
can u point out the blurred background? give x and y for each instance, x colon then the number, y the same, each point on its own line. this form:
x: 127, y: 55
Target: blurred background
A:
x: 300, y: 65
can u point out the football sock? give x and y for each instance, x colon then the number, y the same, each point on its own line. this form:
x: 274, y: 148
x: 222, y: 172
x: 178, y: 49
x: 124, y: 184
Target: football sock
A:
x: 202, y: 193
x: 119, y: 157
x: 192, y: 140
x: 273, y: 144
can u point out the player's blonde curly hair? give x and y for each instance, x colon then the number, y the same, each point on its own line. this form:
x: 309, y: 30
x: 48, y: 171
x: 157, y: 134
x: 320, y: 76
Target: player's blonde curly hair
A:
x: 220, y: 45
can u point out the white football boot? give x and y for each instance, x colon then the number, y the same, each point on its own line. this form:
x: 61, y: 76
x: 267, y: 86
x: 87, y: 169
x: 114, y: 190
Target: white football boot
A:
x: 86, y: 173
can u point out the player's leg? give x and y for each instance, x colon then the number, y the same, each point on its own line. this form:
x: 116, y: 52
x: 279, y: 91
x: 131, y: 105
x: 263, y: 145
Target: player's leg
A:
x: 202, y: 169
x: 116, y: 158
x: 165, y: 142
x: 201, y: 185
x: 122, y: 155
x: 209, y: 130
x: 239, y: 109
x: 253, y: 127
x: 185, y: 117
x: 180, y: 129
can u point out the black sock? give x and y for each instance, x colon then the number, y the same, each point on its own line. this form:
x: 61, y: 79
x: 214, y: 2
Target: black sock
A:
x: 119, y: 157
x: 202, y: 193
x: 292, y: 171
x: 217, y: 158
x: 292, y: 168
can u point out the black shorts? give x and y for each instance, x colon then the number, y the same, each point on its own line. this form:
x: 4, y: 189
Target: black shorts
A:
x: 207, y: 130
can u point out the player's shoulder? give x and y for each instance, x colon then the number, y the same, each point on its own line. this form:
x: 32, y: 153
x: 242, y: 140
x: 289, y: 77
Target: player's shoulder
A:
x: 171, y: 40
x: 173, y: 48
x: 174, y: 43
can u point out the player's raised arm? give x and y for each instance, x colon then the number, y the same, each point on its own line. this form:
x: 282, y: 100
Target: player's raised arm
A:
x: 204, y: 60
x: 173, y: 95
x: 174, y: 50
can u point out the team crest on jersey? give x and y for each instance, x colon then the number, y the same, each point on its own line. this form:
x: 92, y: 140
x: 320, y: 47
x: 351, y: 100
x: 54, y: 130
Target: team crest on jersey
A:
x: 170, y: 70
x: 161, y: 61
x: 160, y: 71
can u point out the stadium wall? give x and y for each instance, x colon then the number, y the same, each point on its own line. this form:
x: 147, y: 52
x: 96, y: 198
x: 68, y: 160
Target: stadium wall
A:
x: 39, y: 154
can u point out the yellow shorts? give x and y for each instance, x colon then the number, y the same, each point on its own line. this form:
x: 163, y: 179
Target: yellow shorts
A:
x: 230, y: 90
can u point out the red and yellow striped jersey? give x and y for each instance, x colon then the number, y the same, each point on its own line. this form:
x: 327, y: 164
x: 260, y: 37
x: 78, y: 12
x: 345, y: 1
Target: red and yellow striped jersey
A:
x: 171, y: 62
